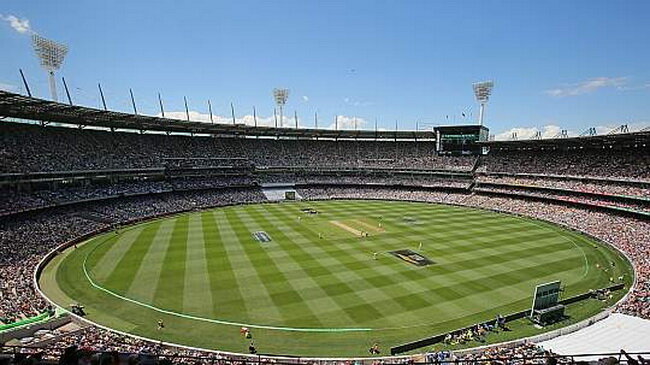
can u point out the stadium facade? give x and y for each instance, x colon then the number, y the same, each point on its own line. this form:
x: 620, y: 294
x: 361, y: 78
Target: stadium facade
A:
x: 62, y: 185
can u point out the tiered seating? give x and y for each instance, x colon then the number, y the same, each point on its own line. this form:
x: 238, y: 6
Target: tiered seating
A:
x: 553, y: 185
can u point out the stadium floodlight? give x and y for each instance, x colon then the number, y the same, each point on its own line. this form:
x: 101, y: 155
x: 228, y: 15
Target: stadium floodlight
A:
x: 482, y: 91
x: 51, y: 54
x: 281, y: 96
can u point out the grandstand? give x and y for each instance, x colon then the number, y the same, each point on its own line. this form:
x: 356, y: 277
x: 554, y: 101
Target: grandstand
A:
x: 69, y: 173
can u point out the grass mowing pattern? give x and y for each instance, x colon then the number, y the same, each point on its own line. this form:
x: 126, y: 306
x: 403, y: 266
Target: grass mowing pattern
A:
x: 208, y: 265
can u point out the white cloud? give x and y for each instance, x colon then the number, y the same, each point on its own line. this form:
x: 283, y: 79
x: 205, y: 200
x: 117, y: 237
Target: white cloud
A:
x: 635, y: 87
x: 248, y: 119
x: 587, y: 86
x: 19, y: 25
x: 548, y: 131
x: 632, y: 126
x: 345, y: 122
x: 353, y: 102
x: 203, y: 117
x: 551, y: 130
x: 8, y: 87
x: 604, y: 129
x: 305, y: 98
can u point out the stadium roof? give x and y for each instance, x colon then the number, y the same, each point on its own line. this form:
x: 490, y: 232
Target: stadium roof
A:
x: 24, y: 107
x: 635, y: 138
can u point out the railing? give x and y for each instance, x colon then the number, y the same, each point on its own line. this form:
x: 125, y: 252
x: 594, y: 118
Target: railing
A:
x: 627, y: 181
x: 558, y: 200
x: 53, y: 354
x: 41, y: 317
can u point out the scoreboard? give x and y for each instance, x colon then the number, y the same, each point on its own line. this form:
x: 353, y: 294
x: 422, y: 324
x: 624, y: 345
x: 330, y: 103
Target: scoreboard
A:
x: 461, y: 140
x: 546, y: 295
x: 546, y: 308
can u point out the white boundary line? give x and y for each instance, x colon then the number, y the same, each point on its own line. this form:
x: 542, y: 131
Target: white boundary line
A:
x: 210, y: 320
x: 552, y: 334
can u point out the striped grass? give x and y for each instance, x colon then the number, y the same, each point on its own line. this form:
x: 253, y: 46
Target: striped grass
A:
x: 317, y: 277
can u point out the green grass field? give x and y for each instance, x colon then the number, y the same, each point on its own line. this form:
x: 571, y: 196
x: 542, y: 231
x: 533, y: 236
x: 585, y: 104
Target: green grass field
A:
x: 315, y: 288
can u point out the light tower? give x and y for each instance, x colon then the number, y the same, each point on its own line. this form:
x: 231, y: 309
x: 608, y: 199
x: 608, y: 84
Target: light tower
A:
x: 51, y: 54
x: 482, y: 91
x: 281, y: 96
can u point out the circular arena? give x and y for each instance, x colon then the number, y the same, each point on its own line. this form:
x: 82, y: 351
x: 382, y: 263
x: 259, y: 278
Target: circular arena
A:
x: 325, y: 278
x: 299, y: 247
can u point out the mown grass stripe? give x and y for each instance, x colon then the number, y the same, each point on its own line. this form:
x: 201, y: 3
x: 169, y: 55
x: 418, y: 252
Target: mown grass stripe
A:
x: 123, y: 274
x: 410, y: 300
x: 144, y: 284
x: 260, y: 306
x: 211, y: 320
x: 107, y: 263
x: 298, y: 269
x: 197, y: 296
x: 284, y: 295
x: 334, y: 288
x: 171, y: 284
x: 361, y: 286
x: 227, y: 297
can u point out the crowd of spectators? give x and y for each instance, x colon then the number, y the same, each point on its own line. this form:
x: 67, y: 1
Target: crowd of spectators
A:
x: 91, y: 344
x: 66, y: 149
x: 624, y: 163
x: 365, y: 179
x: 93, y: 341
x: 25, y: 239
x: 525, y: 353
x: 12, y: 201
x: 581, y: 185
x: 569, y: 196
x: 22, y: 243
x: 18, y: 300
x: 403, y: 179
x: 16, y: 201
x: 371, y: 192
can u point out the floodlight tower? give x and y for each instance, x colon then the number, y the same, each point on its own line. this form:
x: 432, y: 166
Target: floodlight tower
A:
x: 281, y: 96
x: 51, y: 54
x: 482, y: 91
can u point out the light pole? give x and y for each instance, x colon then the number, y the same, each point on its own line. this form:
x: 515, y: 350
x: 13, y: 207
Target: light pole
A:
x: 51, y: 55
x: 482, y: 91
x: 281, y: 96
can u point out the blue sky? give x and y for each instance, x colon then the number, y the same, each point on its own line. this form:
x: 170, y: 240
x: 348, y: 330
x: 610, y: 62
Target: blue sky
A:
x: 556, y: 64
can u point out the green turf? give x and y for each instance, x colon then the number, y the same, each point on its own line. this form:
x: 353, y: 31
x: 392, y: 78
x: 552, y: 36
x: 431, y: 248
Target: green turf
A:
x: 305, y: 295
